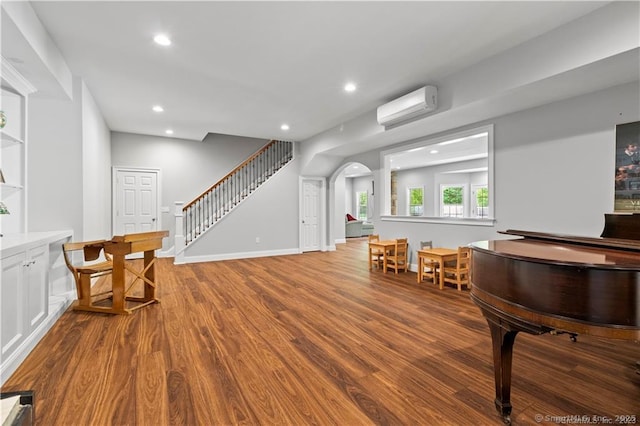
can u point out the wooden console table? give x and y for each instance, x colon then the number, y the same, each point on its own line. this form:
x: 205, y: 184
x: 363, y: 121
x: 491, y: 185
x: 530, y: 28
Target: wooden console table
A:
x: 118, y: 247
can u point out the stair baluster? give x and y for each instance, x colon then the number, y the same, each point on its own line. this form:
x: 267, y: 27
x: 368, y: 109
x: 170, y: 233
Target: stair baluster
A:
x: 222, y: 197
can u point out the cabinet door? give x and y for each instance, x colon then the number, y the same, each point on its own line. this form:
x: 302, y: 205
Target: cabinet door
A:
x: 36, y: 285
x: 11, y: 300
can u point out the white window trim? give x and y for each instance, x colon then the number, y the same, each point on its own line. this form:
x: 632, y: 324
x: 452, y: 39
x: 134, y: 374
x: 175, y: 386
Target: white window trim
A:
x: 409, y: 200
x: 473, y: 200
x: 386, y: 183
x: 465, y: 199
x: 358, y: 203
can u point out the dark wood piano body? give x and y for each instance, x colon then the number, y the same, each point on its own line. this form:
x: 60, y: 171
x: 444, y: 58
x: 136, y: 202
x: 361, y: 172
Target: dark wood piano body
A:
x: 540, y: 283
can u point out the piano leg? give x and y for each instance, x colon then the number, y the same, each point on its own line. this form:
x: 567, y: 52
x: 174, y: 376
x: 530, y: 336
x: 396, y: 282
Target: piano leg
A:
x: 502, y: 341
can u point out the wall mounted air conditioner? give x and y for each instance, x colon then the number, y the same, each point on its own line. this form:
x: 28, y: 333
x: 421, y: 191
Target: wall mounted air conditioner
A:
x: 411, y: 105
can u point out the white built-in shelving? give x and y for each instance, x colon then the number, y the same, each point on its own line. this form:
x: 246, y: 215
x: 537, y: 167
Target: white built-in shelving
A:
x: 14, y: 98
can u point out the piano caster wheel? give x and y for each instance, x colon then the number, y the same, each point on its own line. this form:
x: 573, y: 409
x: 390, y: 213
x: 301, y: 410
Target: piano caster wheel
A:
x: 574, y: 338
x: 506, y: 419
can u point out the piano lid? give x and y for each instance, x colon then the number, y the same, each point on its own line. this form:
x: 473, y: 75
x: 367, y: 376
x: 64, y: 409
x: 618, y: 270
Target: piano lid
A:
x: 554, y: 252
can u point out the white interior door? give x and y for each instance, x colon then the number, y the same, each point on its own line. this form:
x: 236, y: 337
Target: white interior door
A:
x: 136, y: 201
x: 310, y: 220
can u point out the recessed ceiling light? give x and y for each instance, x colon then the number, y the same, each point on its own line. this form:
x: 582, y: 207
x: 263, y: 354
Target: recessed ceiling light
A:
x: 169, y: 131
x: 350, y: 87
x: 285, y: 127
x: 433, y: 151
x: 162, y: 40
x: 158, y: 108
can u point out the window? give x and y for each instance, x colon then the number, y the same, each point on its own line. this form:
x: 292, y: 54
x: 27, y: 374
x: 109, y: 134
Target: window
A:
x: 449, y: 176
x: 362, y: 205
x: 416, y: 203
x: 452, y: 201
x: 480, y: 200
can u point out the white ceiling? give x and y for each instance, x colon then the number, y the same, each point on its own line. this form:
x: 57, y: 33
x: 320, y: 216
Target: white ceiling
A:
x: 244, y: 68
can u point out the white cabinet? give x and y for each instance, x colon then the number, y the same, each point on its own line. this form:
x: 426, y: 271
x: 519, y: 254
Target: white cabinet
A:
x: 24, y: 293
x: 35, y: 289
x: 37, y: 286
x: 11, y: 296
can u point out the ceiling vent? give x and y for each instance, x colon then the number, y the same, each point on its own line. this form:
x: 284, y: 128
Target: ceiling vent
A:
x: 409, y: 106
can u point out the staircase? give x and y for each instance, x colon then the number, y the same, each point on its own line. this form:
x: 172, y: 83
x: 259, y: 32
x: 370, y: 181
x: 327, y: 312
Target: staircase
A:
x: 221, y: 198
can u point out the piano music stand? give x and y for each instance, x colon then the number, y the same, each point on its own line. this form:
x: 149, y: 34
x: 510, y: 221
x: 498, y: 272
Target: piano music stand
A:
x: 118, y: 247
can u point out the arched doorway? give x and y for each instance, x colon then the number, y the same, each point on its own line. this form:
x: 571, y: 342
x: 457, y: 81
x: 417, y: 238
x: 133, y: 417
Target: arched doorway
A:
x: 351, y: 190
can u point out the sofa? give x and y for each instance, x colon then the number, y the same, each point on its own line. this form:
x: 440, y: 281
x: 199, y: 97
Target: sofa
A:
x: 358, y: 228
x: 353, y: 228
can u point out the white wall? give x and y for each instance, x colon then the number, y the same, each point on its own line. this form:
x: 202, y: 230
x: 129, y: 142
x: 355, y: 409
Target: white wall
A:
x: 69, y: 166
x: 359, y: 184
x: 55, y: 155
x: 96, y: 170
x: 554, y: 170
x: 342, y: 188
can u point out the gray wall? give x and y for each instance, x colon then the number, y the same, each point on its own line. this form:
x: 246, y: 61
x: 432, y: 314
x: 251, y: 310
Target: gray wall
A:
x: 554, y: 170
x: 430, y: 179
x: 187, y: 168
x: 96, y: 170
x: 265, y: 223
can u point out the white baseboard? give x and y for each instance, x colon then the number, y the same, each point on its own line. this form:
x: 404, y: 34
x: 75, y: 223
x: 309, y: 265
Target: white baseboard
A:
x: 57, y: 306
x: 243, y: 255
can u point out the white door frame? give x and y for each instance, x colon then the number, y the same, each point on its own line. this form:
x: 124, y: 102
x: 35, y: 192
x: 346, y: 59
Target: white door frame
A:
x: 114, y: 195
x: 322, y: 226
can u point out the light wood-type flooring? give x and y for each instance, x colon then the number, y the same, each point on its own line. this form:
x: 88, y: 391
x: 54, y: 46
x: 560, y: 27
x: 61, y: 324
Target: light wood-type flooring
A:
x: 311, y: 339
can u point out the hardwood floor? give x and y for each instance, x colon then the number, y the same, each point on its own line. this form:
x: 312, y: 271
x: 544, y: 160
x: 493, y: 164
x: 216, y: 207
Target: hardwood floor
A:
x: 307, y: 339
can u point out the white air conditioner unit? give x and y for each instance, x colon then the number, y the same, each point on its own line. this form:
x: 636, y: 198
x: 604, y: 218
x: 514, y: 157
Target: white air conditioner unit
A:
x: 411, y: 105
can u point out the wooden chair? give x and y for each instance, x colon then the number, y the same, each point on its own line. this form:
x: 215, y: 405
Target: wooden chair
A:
x: 458, y: 274
x: 430, y: 268
x: 397, y: 259
x: 84, y: 273
x: 376, y: 254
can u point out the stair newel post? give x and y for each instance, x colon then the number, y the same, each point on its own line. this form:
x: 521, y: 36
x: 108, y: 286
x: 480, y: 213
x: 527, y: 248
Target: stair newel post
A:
x: 179, y: 242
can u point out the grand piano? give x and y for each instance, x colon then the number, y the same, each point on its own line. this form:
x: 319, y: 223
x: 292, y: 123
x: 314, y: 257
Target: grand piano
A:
x: 542, y: 283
